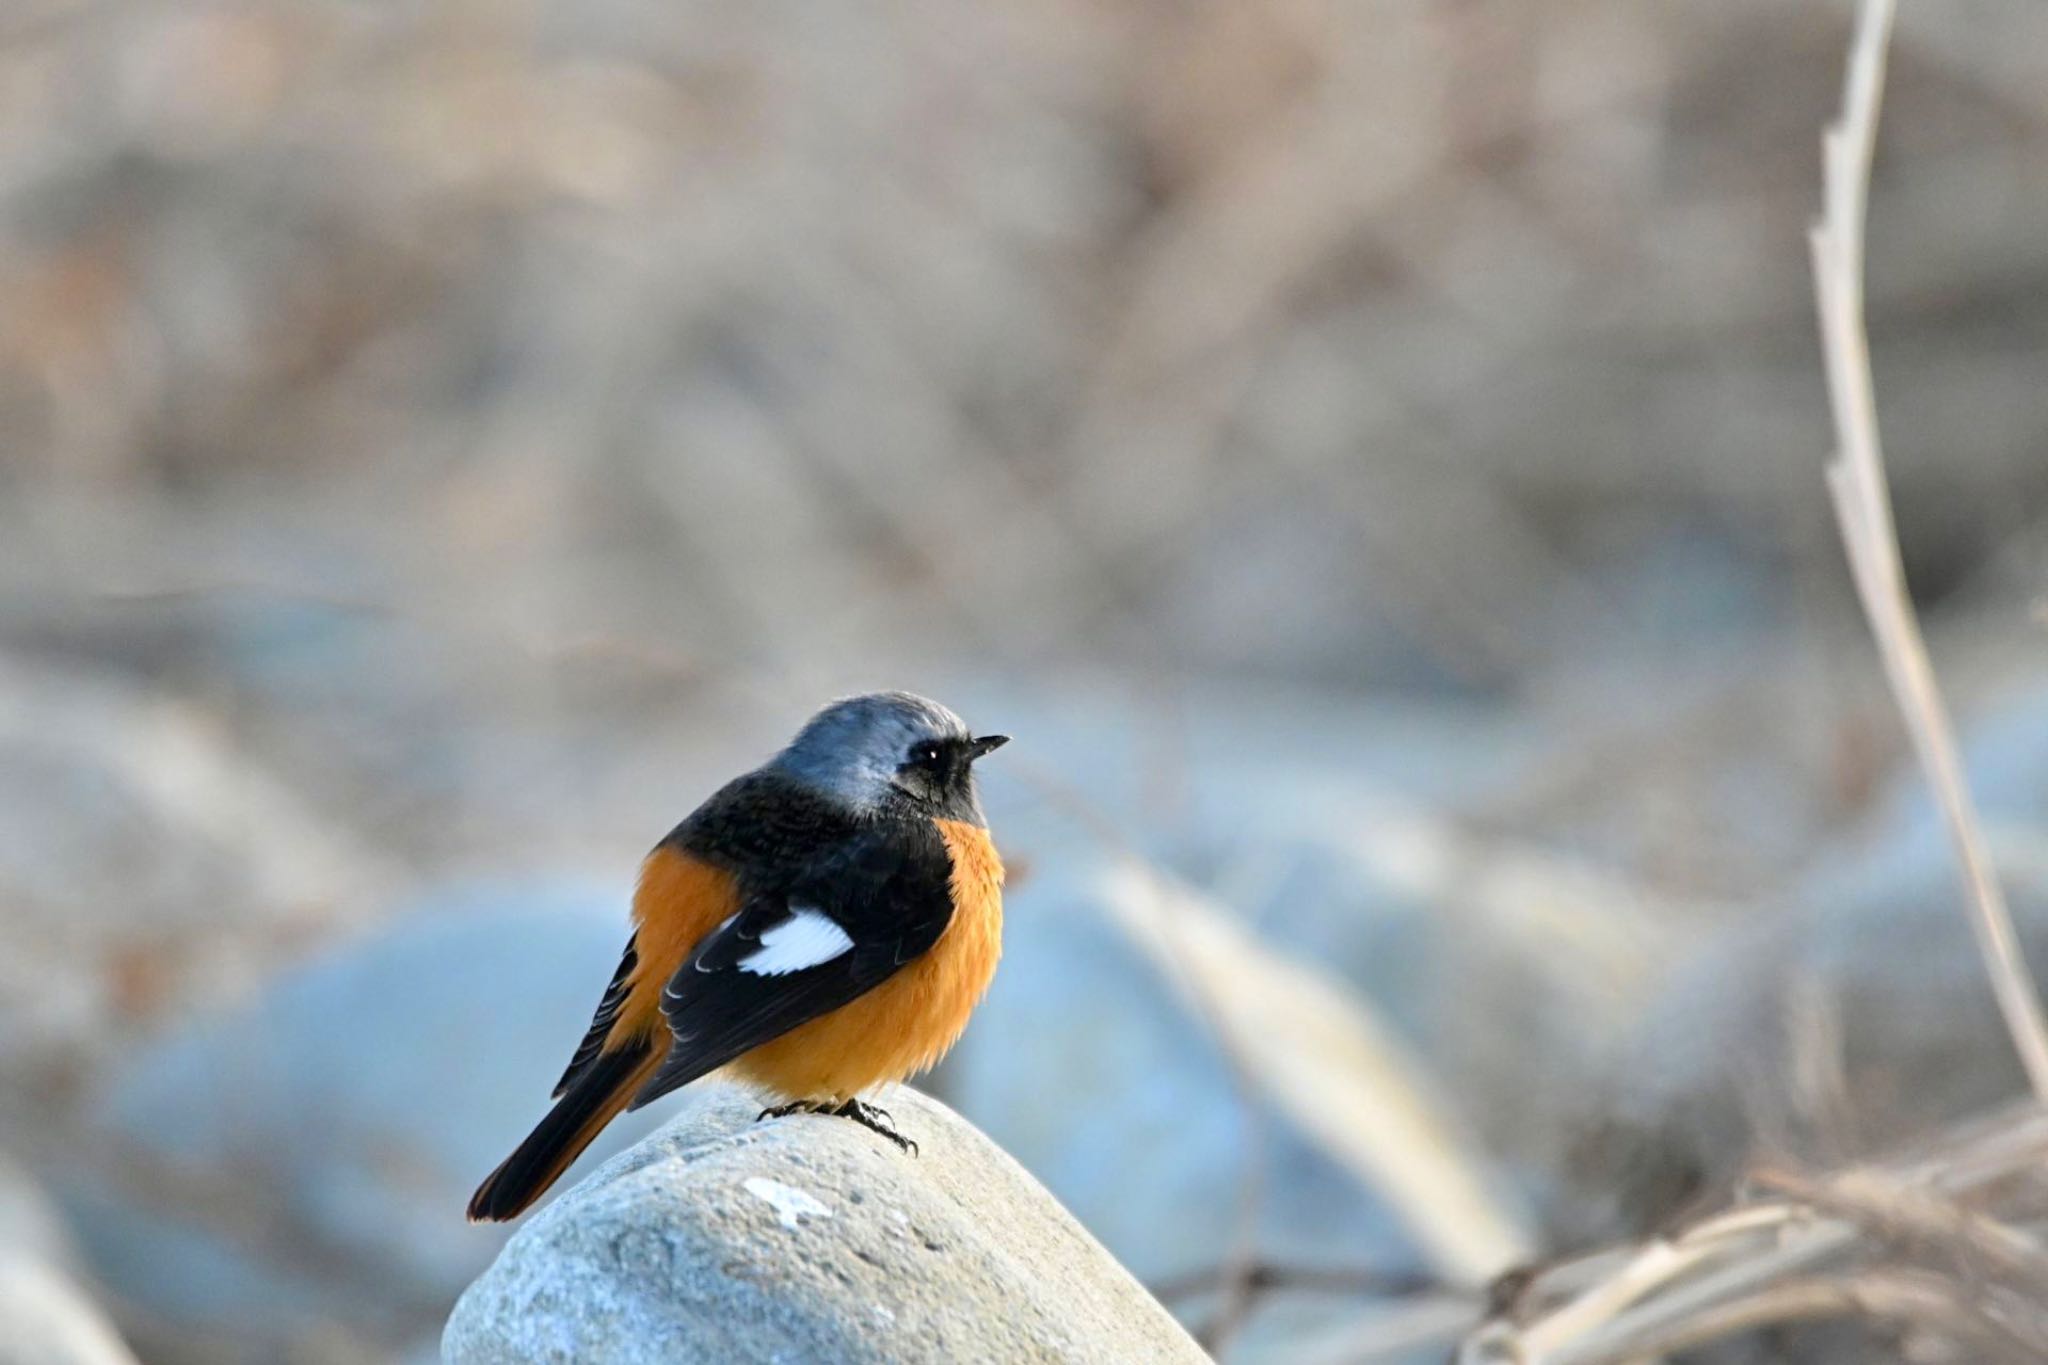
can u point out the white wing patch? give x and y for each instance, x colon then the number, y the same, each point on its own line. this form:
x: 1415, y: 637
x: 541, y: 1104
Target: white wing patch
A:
x: 805, y: 939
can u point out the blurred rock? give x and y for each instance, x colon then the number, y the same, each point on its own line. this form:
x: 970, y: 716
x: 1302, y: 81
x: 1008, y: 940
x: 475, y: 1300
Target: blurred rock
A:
x: 808, y: 1239
x: 1854, y: 1018
x: 49, y: 1320
x: 305, y: 1162
x: 46, y: 1316
x: 1420, y: 917
x: 30, y: 1225
x: 1424, y: 917
x: 1078, y: 1013
x: 148, y: 860
x: 2005, y: 750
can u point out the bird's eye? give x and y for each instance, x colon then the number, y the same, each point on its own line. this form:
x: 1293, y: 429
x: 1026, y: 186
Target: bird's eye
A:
x: 925, y: 754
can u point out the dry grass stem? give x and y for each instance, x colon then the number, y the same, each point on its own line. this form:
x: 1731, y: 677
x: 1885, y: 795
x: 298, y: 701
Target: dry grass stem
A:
x: 1984, y: 1247
x: 1327, y: 1062
x: 1862, y: 500
x: 1725, y: 1273
x: 1763, y: 1264
x: 1302, y: 1040
x: 1903, y: 1298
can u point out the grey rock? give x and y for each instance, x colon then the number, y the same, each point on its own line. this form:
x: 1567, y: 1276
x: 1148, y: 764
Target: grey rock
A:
x: 1854, y: 1018
x: 2005, y: 749
x: 1424, y: 918
x: 808, y: 1239
x: 354, y: 1105
x: 30, y: 1225
x: 1419, y: 919
x: 47, y: 1317
x: 1077, y: 1013
x: 50, y: 1320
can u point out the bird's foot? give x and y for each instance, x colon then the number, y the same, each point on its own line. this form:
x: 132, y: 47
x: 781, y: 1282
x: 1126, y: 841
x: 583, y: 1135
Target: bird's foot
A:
x: 875, y: 1120
x: 793, y: 1107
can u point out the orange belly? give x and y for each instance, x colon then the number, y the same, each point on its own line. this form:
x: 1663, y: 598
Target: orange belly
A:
x: 904, y: 1025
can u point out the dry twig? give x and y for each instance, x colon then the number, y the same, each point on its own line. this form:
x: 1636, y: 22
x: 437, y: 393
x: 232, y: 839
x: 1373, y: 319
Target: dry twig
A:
x: 1266, y: 1276
x: 1723, y: 1274
x: 1297, y: 1037
x: 1862, y: 499
x: 1327, y: 1061
x: 1762, y: 1263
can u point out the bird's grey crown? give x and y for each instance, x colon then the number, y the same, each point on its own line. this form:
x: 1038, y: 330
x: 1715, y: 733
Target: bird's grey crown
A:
x: 853, y: 746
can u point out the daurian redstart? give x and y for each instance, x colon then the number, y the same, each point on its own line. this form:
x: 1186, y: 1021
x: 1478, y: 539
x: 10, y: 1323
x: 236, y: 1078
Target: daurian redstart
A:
x: 821, y: 925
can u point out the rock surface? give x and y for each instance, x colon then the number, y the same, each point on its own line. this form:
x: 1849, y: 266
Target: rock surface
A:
x: 50, y: 1320
x: 808, y: 1238
x: 355, y: 1104
x: 1854, y: 1018
x: 46, y: 1315
x: 1076, y: 1011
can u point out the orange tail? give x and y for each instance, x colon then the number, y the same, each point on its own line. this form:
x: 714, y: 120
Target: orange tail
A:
x: 596, y: 1098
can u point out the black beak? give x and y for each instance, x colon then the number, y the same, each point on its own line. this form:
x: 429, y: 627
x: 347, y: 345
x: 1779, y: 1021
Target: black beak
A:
x: 986, y: 744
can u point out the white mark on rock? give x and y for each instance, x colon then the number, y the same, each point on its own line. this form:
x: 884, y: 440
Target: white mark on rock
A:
x: 900, y: 1216
x: 791, y: 1205
x: 882, y: 1314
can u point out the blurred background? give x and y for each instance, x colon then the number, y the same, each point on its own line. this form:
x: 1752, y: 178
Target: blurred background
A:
x: 1368, y: 455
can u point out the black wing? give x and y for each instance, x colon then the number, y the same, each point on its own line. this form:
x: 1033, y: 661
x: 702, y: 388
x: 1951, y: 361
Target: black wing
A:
x: 886, y: 889
x: 601, y: 1022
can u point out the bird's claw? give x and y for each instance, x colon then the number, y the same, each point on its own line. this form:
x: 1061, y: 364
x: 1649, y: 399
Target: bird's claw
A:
x: 876, y: 1120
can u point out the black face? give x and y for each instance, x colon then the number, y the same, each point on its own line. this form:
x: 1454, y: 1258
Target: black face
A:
x: 938, y: 775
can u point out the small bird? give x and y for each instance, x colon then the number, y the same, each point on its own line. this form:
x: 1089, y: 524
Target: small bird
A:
x: 821, y: 925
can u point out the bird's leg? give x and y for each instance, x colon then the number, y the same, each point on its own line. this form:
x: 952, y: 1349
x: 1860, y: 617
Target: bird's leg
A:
x: 875, y: 1121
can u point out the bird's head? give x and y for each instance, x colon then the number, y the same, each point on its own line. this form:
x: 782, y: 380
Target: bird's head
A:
x: 890, y: 748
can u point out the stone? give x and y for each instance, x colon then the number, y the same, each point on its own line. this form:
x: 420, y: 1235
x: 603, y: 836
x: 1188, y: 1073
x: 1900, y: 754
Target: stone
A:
x: 50, y: 1320
x: 1078, y: 1012
x: 355, y: 1104
x: 47, y: 1317
x: 808, y: 1238
x: 1854, y: 1018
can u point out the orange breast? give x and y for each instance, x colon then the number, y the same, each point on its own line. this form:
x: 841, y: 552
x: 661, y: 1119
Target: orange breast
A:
x: 679, y: 900
x: 905, y: 1024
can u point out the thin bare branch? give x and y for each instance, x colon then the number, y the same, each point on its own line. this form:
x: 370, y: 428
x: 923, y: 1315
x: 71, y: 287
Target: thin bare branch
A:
x: 1268, y: 1277
x: 1863, y: 509
x: 1302, y: 1040
x: 1901, y: 1211
x: 1823, y: 1253
x: 1899, y: 1297
x: 1720, y: 1271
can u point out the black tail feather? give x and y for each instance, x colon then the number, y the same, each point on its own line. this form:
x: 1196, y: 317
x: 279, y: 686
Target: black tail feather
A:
x: 607, y: 1084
